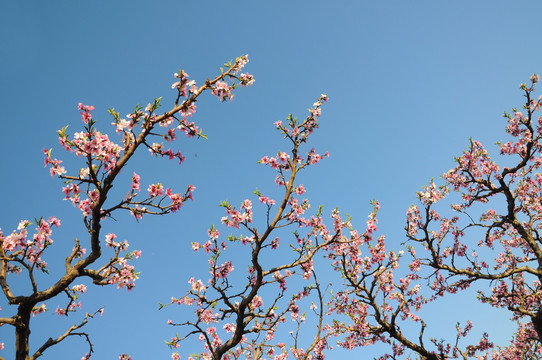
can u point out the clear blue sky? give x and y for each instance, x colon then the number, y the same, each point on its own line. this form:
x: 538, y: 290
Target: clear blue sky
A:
x: 409, y: 82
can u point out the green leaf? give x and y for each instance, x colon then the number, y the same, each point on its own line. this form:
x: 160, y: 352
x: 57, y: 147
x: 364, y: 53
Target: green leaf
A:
x: 62, y: 132
x: 114, y: 113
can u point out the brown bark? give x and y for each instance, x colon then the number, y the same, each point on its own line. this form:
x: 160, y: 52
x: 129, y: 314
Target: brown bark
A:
x: 22, y: 332
x: 537, y: 324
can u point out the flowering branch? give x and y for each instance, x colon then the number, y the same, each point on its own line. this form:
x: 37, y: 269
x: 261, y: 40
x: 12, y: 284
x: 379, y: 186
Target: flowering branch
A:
x: 250, y: 314
x: 90, y: 191
x: 376, y: 305
x: 70, y: 332
x: 374, y: 302
x: 511, y: 236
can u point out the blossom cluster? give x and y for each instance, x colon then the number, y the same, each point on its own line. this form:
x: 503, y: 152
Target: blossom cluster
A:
x: 121, y: 273
x: 20, y: 248
x: 235, y: 217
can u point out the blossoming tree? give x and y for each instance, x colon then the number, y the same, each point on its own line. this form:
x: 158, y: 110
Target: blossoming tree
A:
x: 492, y: 235
x: 89, y: 189
x: 240, y: 319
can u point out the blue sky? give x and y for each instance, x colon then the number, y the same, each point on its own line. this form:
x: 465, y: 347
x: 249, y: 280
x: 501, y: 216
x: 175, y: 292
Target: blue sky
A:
x: 408, y: 82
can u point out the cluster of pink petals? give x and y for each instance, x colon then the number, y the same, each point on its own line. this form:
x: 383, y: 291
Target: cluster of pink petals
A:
x: 223, y: 91
x: 235, y: 217
x: 85, y: 110
x: 39, y: 310
x: 120, y: 272
x: 27, y: 250
x: 55, y: 169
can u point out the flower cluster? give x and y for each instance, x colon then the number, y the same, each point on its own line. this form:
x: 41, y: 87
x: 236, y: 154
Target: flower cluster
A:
x: 120, y: 272
x: 235, y: 217
x: 21, y: 249
x: 223, y: 90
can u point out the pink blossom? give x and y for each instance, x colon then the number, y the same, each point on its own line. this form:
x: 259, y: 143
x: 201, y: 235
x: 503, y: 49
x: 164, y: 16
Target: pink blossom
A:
x: 80, y: 288
x: 135, y: 182
x: 85, y: 110
x: 60, y: 311
x: 213, y: 233
x: 266, y: 200
x: 109, y: 240
x: 224, y: 269
x: 155, y: 190
x: 197, y: 286
x: 275, y: 243
x: 246, y: 79
x: 206, y: 316
x: 240, y: 63
x: 39, y: 309
x: 222, y: 91
x: 257, y: 301
x: 229, y: 327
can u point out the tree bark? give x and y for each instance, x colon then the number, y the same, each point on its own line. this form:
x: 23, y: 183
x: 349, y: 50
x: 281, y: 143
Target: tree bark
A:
x: 22, y: 332
x: 537, y: 324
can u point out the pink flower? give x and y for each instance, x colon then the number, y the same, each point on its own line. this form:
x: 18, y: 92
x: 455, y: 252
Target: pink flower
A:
x: 207, y: 316
x: 60, y: 311
x: 81, y: 288
x: 224, y: 269
x: 55, y: 169
x: 240, y: 63
x: 54, y: 221
x: 246, y: 79
x: 109, y: 240
x: 257, y: 301
x: 222, y: 91
x: 197, y: 286
x: 39, y: 309
x: 135, y: 182
x: 371, y: 226
x: 213, y: 233
x: 85, y: 110
x: 155, y: 190
x: 229, y: 327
